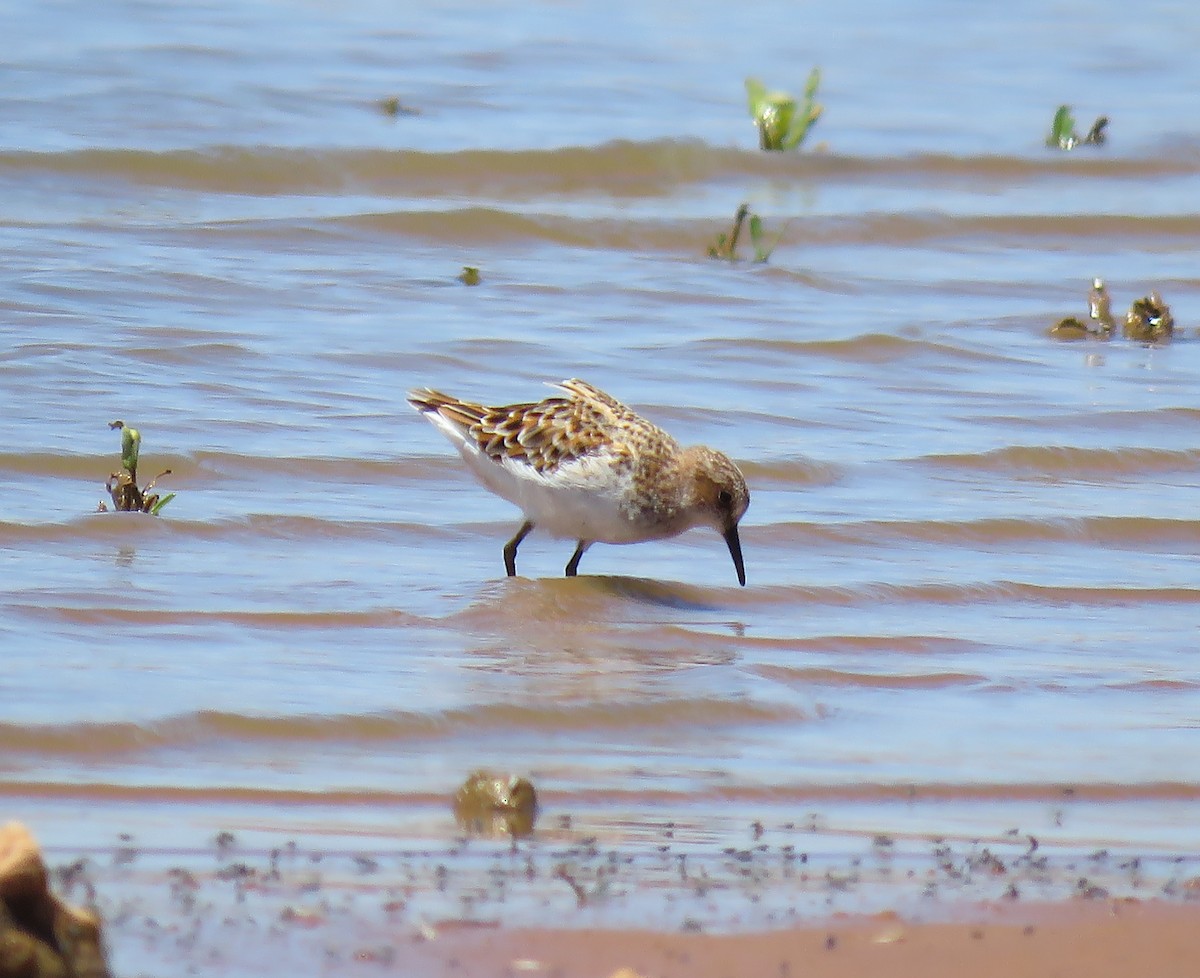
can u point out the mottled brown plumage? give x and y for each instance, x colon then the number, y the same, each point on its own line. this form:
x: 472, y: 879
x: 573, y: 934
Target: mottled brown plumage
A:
x: 586, y: 466
x: 544, y: 434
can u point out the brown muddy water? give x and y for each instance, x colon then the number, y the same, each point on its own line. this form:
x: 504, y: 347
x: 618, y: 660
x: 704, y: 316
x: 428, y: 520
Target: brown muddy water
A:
x: 973, y: 585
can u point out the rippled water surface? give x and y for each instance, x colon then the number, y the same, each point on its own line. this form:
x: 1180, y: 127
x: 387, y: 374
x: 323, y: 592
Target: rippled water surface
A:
x: 971, y: 550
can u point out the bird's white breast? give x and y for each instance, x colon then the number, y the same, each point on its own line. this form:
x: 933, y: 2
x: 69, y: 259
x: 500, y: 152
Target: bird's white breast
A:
x: 580, y: 500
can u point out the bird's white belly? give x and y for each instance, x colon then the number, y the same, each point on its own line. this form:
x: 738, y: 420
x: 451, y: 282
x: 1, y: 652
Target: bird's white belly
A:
x: 577, y: 514
x: 574, y: 509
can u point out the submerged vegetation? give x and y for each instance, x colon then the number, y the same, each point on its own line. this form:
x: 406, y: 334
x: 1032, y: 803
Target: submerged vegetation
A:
x: 783, y: 123
x: 1149, y: 319
x: 491, y: 804
x: 1062, y: 131
x: 395, y: 108
x: 1100, y: 322
x: 762, y: 251
x: 725, y: 245
x: 127, y: 496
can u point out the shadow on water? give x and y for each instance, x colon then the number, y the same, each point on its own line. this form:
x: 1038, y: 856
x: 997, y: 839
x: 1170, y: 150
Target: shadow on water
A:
x: 573, y: 634
x: 584, y: 589
x: 663, y: 594
x: 591, y: 601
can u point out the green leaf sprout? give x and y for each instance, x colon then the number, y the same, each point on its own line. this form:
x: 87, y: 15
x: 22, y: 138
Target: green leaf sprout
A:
x: 725, y: 245
x: 122, y: 486
x: 782, y: 123
x: 1062, y: 131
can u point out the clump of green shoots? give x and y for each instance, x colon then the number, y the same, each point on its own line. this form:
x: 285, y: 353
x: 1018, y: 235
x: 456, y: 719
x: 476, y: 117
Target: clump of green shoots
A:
x: 122, y: 486
x: 1149, y: 320
x: 762, y: 250
x: 725, y: 246
x: 782, y: 123
x: 1062, y: 131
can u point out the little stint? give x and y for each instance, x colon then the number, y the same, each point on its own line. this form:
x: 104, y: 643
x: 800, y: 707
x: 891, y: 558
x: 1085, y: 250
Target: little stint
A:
x: 585, y: 467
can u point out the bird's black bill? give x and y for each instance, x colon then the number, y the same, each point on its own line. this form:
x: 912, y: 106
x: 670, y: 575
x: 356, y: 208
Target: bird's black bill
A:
x: 735, y: 551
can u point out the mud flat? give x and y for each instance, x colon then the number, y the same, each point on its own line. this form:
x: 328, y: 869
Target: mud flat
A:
x: 568, y: 904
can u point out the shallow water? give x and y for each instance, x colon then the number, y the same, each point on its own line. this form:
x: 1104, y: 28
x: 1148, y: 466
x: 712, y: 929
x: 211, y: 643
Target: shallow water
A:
x: 971, y: 549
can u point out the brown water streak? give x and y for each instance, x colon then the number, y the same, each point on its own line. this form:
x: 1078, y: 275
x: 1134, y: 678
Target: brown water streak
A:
x: 653, y: 799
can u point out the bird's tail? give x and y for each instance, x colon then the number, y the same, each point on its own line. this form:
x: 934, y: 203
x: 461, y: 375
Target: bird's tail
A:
x: 428, y: 401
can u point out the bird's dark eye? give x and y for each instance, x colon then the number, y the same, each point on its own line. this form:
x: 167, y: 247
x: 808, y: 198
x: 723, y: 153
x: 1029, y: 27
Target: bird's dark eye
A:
x: 725, y: 497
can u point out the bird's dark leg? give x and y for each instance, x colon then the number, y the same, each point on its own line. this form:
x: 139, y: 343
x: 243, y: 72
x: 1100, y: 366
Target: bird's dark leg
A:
x: 510, y: 548
x: 573, y: 563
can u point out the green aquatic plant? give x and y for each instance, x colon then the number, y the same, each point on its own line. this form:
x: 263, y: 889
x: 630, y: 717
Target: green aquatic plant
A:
x: 762, y: 250
x: 1070, y: 328
x: 1100, y: 309
x: 725, y: 245
x: 1062, y: 131
x: 469, y: 275
x: 1149, y: 320
x: 782, y: 123
x: 1096, y: 135
x: 131, y: 445
x: 127, y: 496
x: 1099, y: 324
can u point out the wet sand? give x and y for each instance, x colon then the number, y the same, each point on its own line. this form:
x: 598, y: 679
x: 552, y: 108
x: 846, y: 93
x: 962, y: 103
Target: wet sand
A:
x: 1084, y: 939
x: 567, y: 906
